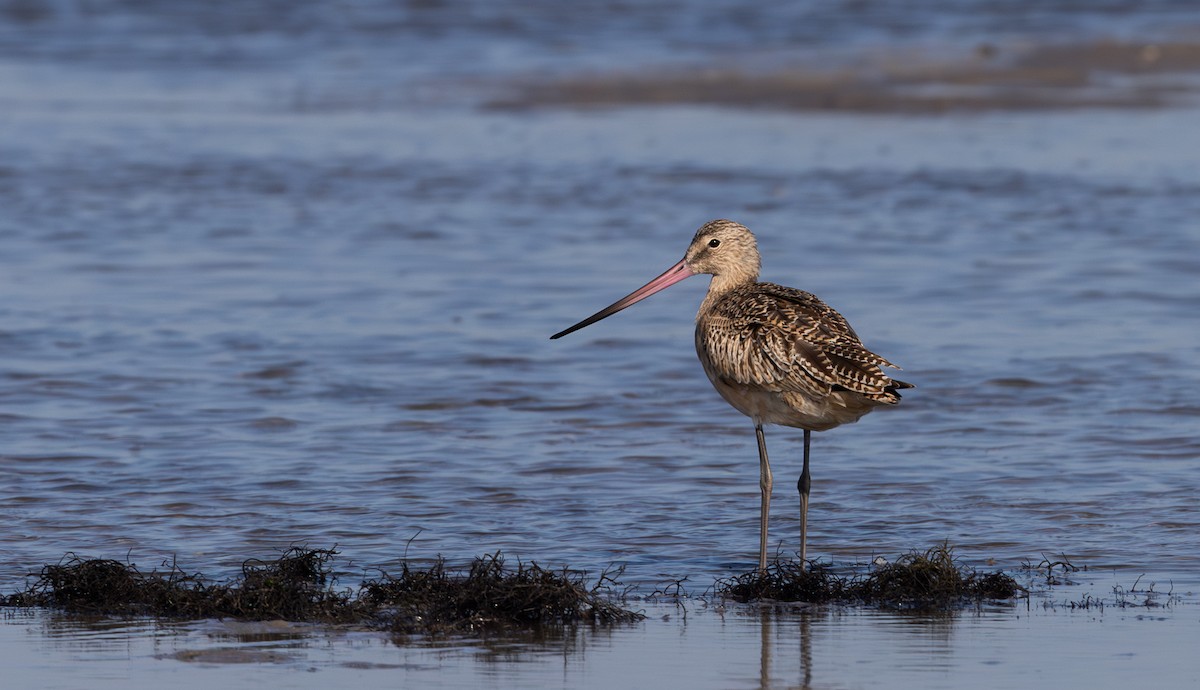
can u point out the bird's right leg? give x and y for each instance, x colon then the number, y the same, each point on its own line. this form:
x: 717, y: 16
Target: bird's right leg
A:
x: 764, y: 484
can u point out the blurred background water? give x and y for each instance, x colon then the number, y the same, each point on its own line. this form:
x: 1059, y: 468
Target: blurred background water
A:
x: 273, y: 274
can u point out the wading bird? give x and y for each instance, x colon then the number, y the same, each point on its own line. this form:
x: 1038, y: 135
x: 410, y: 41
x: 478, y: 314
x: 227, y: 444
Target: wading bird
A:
x: 776, y: 354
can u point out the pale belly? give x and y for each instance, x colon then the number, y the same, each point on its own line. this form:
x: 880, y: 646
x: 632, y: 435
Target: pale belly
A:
x: 794, y: 409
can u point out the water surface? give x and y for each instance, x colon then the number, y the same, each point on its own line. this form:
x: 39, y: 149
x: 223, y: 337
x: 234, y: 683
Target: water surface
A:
x: 697, y: 648
x: 215, y: 353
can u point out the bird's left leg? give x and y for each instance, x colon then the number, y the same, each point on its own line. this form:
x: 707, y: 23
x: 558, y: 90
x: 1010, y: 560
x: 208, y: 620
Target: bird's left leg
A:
x: 803, y: 485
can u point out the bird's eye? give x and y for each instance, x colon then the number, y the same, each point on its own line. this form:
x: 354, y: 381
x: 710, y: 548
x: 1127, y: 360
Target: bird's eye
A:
x: 714, y: 243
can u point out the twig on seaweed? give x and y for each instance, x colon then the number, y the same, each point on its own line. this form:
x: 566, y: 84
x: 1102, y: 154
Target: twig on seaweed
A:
x: 1133, y: 587
x: 1064, y: 564
x: 1088, y: 602
x: 409, y: 543
x: 1151, y: 596
x: 675, y: 593
x: 672, y: 590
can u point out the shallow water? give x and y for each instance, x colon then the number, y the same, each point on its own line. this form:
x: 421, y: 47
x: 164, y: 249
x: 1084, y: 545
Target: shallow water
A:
x: 287, y: 284
x: 338, y: 338
x: 697, y: 647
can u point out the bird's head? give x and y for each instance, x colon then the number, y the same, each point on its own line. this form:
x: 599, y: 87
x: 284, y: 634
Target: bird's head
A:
x: 726, y: 249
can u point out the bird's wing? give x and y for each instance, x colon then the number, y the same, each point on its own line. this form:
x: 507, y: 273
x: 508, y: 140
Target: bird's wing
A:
x: 784, y: 339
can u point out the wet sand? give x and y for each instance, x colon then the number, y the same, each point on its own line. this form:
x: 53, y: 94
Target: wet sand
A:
x: 992, y: 76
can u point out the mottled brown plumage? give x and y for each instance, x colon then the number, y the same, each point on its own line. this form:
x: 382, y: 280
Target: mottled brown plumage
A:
x: 793, y: 353
x: 776, y: 354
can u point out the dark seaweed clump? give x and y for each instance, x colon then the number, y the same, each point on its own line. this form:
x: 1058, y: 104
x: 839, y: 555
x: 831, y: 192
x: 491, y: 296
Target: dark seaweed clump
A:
x: 300, y: 586
x: 490, y: 595
x: 933, y: 579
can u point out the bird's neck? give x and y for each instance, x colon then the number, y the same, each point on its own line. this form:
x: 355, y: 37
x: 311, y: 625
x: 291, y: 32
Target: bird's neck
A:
x: 722, y: 284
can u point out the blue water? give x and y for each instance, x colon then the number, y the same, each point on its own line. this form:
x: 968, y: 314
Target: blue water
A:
x: 339, y: 336
x: 271, y: 276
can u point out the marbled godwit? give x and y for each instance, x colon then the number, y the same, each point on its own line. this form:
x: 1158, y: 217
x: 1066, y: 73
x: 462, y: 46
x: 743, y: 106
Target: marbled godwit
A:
x: 776, y: 354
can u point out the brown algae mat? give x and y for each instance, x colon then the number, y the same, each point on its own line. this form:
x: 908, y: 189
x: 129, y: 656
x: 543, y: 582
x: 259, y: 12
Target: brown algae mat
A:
x: 930, y: 580
x: 299, y: 586
x: 490, y: 595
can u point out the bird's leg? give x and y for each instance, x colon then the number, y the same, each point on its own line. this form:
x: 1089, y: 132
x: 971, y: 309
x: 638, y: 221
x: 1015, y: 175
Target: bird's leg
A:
x: 764, y: 484
x: 803, y: 485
